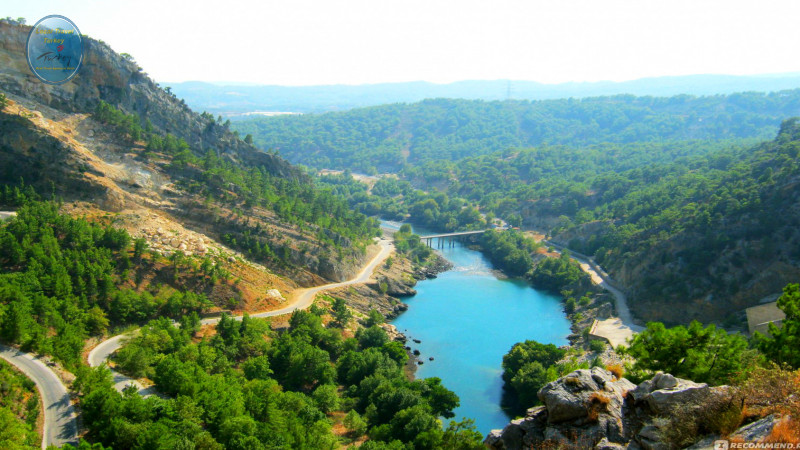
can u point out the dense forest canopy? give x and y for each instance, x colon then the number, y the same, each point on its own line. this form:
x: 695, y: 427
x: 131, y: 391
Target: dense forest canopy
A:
x: 389, y: 138
x: 249, y: 388
x: 681, y: 184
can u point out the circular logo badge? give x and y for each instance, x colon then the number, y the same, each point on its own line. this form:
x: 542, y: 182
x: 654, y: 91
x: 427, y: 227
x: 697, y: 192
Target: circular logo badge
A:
x: 54, y: 49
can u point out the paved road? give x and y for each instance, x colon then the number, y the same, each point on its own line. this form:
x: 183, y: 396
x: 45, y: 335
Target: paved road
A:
x: 100, y: 354
x: 303, y: 299
x: 601, y: 278
x: 60, y: 419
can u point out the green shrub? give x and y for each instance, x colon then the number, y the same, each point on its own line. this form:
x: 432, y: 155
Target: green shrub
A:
x: 597, y: 345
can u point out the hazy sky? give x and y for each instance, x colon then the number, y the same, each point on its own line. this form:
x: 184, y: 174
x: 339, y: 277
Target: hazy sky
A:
x: 304, y: 42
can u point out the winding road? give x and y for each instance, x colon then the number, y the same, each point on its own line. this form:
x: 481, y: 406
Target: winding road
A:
x: 60, y: 419
x: 303, y: 299
x: 617, y: 330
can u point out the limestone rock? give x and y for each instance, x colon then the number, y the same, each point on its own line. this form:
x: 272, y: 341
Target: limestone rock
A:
x: 753, y: 432
x: 759, y: 430
x: 664, y: 391
x: 685, y: 397
x: 275, y: 295
x: 494, y: 439
x: 605, y: 444
x: 568, y: 398
x: 396, y: 288
x: 591, y: 409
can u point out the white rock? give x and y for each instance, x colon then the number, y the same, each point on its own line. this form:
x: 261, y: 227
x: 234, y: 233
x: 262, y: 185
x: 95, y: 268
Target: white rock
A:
x: 276, y: 295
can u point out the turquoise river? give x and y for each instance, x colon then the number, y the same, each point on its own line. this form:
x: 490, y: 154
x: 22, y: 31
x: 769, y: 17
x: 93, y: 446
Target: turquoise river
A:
x: 467, y: 319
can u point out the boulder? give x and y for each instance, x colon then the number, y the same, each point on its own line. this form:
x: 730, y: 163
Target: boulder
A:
x: 759, y: 430
x: 589, y: 408
x: 684, y: 396
x: 512, y: 435
x: 752, y: 432
x: 664, y: 393
x: 569, y: 398
x: 396, y: 288
x: 494, y: 439
x: 275, y: 295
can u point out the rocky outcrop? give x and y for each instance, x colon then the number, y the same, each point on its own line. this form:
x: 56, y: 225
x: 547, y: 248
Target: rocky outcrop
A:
x: 397, y: 288
x: 590, y: 408
x: 275, y: 294
x: 665, y: 393
x: 757, y: 431
x: 438, y: 265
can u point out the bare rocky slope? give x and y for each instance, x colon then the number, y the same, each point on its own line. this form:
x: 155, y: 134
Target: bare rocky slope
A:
x: 52, y: 140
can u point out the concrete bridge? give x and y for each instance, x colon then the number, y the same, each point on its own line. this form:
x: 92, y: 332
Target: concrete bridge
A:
x: 448, y: 239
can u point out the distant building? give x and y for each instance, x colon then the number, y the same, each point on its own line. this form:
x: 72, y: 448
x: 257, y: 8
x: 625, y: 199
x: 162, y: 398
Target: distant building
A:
x: 759, y: 317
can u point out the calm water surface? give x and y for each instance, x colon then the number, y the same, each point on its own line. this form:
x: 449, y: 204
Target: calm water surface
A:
x: 467, y: 319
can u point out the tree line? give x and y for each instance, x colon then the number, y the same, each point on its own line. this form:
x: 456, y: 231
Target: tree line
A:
x: 390, y: 138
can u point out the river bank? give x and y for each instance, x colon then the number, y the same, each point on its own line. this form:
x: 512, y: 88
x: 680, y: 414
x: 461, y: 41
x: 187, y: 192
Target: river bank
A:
x: 462, y: 299
x: 466, y: 319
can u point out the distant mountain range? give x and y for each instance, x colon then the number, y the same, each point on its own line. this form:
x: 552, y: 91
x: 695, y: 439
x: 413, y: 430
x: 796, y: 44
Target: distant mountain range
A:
x: 231, y: 99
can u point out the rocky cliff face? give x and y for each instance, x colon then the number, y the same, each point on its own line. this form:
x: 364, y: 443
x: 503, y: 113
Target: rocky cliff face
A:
x: 593, y: 409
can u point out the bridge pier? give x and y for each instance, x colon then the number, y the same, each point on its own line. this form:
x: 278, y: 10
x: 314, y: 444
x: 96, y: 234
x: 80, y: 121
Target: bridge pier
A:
x: 448, y: 240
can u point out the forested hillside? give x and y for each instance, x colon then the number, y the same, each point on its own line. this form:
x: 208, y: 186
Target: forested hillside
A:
x: 114, y: 141
x: 709, y: 226
x: 129, y: 207
x: 389, y: 138
x: 675, y: 196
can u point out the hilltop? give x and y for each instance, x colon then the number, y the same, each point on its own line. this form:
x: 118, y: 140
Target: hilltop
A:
x: 112, y: 143
x: 237, y: 100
